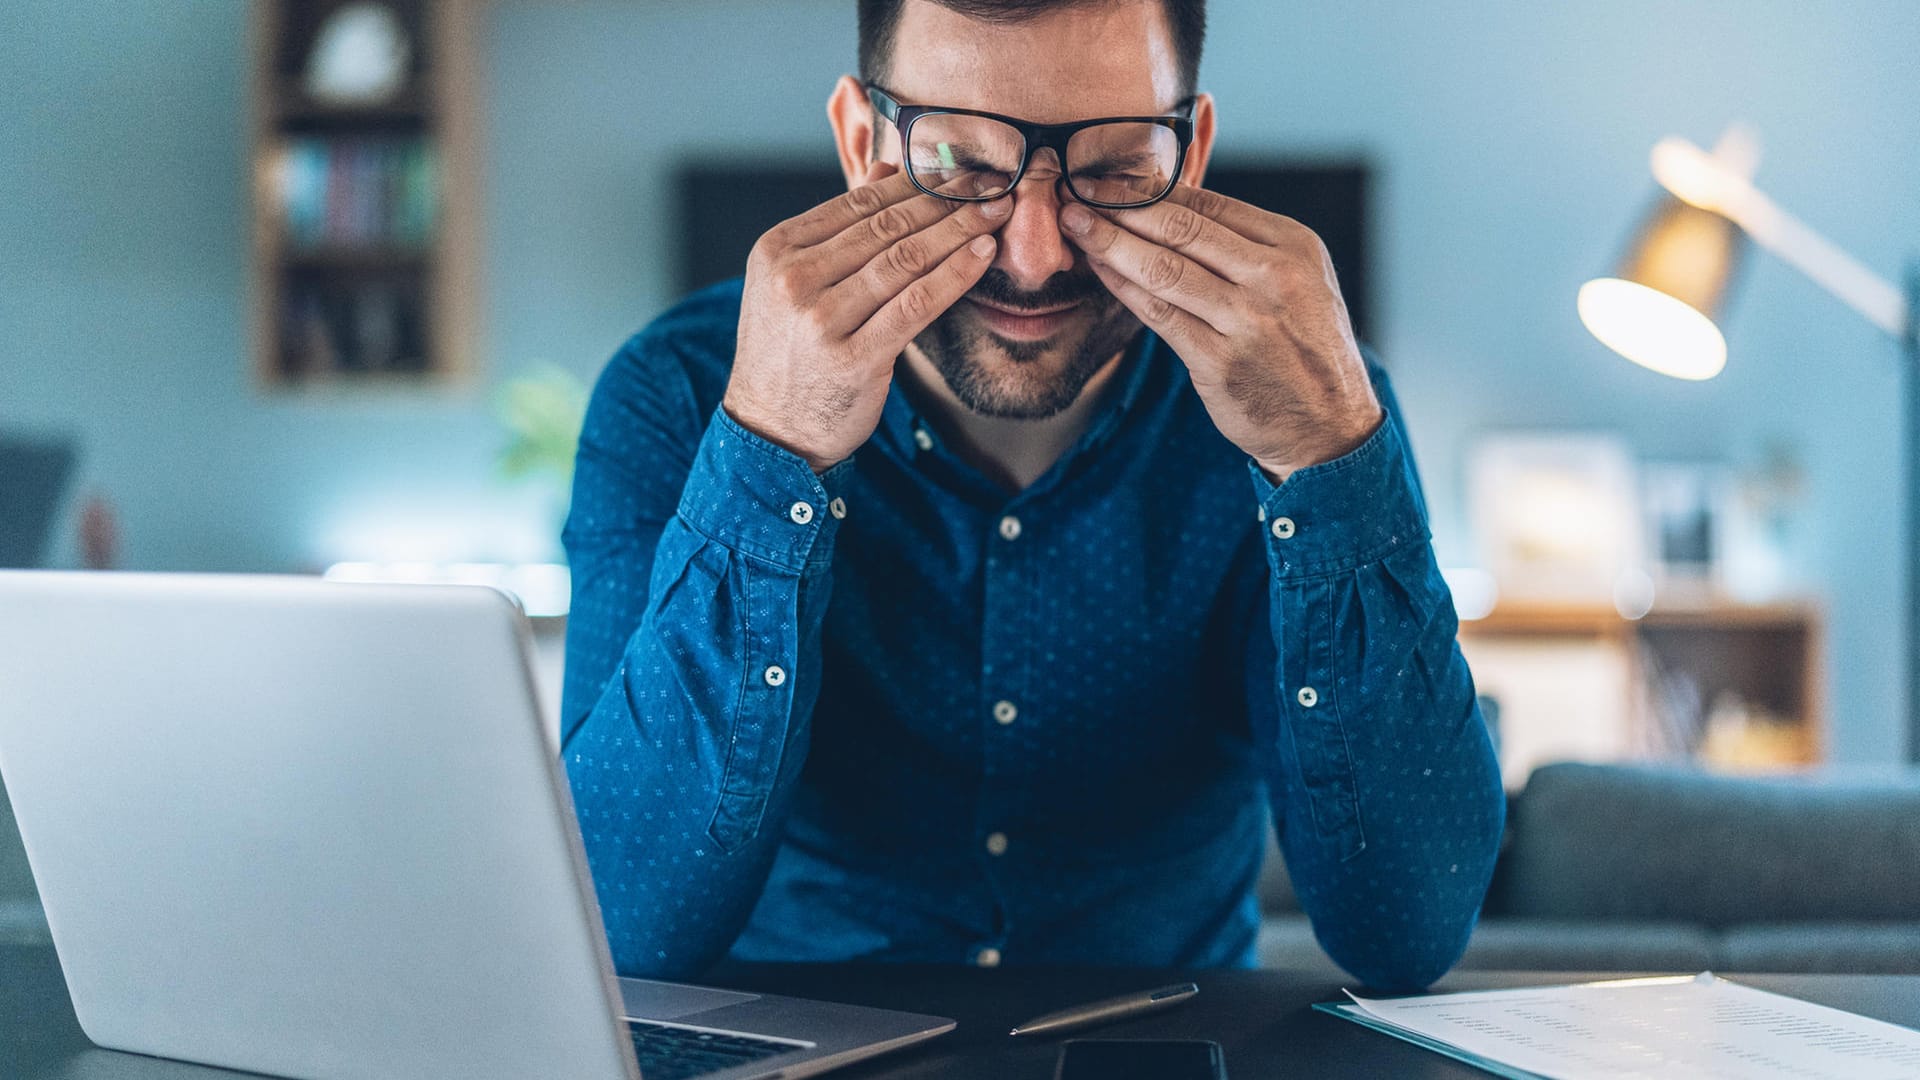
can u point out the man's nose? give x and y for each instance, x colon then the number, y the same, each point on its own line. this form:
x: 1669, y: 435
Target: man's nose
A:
x: 1032, y: 248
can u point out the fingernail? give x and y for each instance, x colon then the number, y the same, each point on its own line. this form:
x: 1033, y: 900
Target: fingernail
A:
x: 1076, y: 219
x: 982, y: 245
x: 997, y: 208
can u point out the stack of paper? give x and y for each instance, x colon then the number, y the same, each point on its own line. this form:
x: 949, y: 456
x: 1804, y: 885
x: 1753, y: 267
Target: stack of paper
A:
x: 1678, y: 1026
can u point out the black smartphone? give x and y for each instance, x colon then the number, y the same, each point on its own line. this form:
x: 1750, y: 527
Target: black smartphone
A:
x: 1140, y: 1059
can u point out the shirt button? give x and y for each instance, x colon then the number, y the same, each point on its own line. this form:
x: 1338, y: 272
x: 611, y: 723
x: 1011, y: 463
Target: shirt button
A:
x: 838, y: 508
x: 800, y: 512
x: 997, y: 843
x: 1283, y: 528
x: 776, y: 675
x: 1004, y: 711
x: 988, y: 957
x: 1260, y: 513
x: 921, y: 439
x: 1009, y: 528
x: 1308, y: 696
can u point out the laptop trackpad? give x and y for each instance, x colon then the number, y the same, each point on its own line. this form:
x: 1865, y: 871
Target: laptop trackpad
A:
x: 648, y: 1000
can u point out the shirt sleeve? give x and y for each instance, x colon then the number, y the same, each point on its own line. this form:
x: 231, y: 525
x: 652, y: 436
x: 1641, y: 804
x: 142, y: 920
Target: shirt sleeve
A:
x: 701, y: 557
x: 1382, y: 776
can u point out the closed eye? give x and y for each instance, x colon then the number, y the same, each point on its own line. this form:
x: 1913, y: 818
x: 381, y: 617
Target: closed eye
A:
x: 1119, y: 165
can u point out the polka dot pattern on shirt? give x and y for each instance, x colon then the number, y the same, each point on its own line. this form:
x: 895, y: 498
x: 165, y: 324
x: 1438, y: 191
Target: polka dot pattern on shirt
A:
x: 1047, y: 726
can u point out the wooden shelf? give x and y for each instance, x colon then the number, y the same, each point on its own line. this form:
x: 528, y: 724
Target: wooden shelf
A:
x: 1658, y: 679
x: 365, y: 217
x: 290, y: 105
x: 357, y: 259
x: 1601, y: 619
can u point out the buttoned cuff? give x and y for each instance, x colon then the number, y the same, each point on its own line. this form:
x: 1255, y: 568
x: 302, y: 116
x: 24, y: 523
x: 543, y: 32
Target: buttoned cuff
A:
x: 763, y: 500
x: 1345, y: 513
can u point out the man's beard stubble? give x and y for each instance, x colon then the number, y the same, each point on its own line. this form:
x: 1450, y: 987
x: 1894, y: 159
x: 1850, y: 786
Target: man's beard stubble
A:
x: 958, y: 346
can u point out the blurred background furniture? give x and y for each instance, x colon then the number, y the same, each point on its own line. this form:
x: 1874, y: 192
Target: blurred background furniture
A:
x: 1644, y: 868
x: 33, y: 482
x: 365, y: 210
x: 1717, y: 683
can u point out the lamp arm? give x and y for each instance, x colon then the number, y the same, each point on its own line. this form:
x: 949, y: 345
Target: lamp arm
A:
x: 1696, y: 177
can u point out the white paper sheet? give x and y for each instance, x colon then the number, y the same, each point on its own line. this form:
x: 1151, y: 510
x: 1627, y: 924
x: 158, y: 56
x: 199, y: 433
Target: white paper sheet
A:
x: 1679, y: 1026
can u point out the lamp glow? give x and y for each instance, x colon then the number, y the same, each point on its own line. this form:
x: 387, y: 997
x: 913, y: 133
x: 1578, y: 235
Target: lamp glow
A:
x: 1652, y: 329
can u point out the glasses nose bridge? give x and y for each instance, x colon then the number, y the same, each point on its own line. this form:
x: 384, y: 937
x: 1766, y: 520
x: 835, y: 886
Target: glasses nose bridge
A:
x: 1046, y: 138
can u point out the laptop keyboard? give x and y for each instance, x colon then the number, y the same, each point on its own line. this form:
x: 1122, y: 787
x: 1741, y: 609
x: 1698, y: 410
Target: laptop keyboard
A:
x: 676, y: 1053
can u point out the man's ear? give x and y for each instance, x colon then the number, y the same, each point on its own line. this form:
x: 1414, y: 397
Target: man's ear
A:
x: 852, y: 119
x: 1200, y: 151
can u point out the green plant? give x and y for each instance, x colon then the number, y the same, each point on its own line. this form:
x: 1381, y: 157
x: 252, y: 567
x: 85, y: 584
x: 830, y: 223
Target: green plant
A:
x: 542, y: 412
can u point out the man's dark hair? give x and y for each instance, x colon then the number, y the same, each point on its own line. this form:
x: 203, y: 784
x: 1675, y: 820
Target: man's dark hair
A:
x: 1186, y: 18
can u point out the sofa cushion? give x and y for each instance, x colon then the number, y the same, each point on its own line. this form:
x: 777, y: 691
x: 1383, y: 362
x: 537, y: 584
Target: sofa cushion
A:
x: 1587, y: 945
x: 1275, y: 887
x: 1287, y: 941
x: 1671, y: 844
x: 1864, y: 948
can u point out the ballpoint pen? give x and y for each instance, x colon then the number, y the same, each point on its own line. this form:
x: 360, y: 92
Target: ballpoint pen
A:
x: 1123, y: 1007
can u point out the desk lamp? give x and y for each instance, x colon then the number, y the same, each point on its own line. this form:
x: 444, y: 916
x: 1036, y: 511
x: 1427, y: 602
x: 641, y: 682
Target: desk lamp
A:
x: 1660, y: 310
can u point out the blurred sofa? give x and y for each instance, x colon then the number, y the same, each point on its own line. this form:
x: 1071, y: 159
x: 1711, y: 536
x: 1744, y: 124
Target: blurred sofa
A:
x: 1640, y: 868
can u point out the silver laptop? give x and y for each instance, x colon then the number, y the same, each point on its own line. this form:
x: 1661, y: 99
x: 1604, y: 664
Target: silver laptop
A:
x: 319, y: 830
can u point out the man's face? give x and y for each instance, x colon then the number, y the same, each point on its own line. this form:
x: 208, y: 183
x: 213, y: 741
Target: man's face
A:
x: 1039, y: 325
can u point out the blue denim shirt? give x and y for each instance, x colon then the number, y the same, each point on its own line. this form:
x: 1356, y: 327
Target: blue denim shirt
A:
x: 895, y: 712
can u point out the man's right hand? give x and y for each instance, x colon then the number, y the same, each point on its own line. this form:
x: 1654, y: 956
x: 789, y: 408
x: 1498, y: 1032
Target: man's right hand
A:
x: 833, y: 296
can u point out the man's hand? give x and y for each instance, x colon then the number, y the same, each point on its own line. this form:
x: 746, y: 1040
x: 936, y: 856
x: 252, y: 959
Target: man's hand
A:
x: 1249, y: 301
x: 832, y: 297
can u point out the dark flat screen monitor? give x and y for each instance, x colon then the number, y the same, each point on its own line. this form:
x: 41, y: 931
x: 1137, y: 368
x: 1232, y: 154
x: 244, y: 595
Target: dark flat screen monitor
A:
x: 725, y: 206
x: 33, y: 477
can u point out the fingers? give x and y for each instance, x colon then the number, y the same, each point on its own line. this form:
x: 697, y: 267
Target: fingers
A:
x: 1244, y: 218
x: 1189, y: 335
x: 902, y: 318
x: 1161, y: 271
x: 838, y: 257
x: 1199, y: 237
x: 884, y: 275
x: 864, y: 201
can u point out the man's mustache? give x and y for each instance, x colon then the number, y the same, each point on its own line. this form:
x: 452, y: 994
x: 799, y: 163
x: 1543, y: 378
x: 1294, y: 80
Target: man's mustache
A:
x: 1060, y: 290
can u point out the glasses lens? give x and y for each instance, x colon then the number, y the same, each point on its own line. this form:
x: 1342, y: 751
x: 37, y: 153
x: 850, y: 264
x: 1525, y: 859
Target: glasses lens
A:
x: 1122, y: 163
x: 964, y: 157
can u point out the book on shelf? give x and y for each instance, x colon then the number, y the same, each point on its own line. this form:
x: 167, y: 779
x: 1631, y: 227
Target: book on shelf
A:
x: 352, y: 327
x: 357, y: 193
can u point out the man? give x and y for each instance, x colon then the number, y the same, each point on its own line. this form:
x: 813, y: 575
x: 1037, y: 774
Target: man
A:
x: 951, y: 589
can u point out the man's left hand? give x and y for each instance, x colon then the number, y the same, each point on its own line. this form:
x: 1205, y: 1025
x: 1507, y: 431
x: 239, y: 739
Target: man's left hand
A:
x: 1249, y: 301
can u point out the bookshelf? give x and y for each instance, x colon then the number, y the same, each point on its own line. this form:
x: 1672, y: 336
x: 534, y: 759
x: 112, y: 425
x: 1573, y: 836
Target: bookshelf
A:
x: 1728, y: 686
x: 365, y: 231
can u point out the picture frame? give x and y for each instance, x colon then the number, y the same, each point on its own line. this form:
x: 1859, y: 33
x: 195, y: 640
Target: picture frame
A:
x: 1557, y: 514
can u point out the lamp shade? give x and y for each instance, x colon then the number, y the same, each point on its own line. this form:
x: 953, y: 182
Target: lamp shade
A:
x: 1659, y: 310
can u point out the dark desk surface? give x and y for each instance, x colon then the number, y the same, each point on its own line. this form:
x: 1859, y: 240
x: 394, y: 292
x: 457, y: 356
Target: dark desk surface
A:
x: 1262, y: 1018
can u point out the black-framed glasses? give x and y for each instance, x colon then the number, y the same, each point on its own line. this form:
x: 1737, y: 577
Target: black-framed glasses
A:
x: 1114, y: 162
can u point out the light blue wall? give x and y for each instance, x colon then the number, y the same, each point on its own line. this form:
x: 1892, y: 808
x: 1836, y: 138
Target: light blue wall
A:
x: 1511, y: 137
